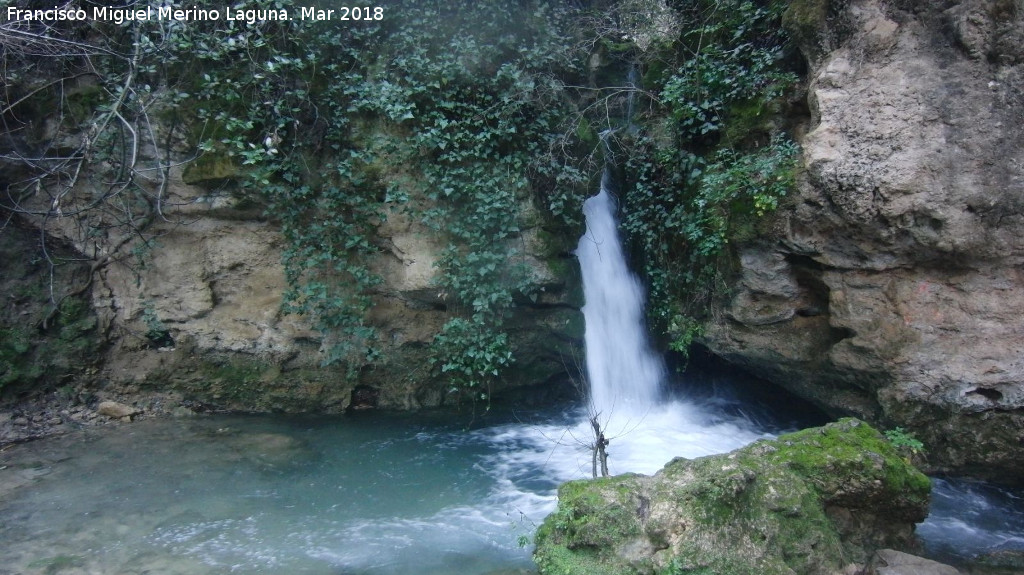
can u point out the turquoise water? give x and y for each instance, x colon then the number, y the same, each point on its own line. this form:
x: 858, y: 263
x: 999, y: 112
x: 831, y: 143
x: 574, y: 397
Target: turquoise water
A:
x: 256, y: 495
x: 366, y: 494
x: 370, y: 494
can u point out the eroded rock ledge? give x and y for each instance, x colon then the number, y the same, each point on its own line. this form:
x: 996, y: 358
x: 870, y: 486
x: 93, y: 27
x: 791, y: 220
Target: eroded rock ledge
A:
x: 891, y: 288
x: 816, y: 502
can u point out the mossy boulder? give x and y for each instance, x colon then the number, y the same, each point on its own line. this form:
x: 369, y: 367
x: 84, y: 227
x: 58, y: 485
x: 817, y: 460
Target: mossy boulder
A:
x: 807, y: 503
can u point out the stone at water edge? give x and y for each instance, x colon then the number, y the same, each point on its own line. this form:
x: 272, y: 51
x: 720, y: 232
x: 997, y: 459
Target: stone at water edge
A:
x: 116, y: 410
x: 812, y: 502
x: 890, y: 562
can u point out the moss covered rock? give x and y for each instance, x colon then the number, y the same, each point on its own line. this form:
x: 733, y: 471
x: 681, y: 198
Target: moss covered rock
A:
x: 810, y: 502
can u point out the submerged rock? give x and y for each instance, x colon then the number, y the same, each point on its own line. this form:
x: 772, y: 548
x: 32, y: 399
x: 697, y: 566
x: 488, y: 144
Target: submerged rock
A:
x: 819, y: 501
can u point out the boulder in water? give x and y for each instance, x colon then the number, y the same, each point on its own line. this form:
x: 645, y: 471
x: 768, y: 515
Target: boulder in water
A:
x: 819, y: 501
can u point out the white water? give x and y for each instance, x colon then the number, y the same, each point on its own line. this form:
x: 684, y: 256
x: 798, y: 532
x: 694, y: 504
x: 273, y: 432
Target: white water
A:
x: 968, y: 519
x: 625, y: 376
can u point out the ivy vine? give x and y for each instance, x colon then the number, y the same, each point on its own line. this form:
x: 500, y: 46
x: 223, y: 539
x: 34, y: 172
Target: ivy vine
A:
x: 463, y: 96
x: 725, y: 163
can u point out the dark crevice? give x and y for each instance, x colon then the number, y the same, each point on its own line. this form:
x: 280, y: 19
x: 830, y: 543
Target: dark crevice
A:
x: 989, y: 394
x: 838, y: 334
x: 815, y: 291
x: 364, y: 397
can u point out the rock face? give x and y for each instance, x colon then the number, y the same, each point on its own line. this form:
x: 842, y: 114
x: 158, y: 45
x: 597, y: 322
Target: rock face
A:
x: 201, y: 314
x: 819, y: 501
x: 892, y: 288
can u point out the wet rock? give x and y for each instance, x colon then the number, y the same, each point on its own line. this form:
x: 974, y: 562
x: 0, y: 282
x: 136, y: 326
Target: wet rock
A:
x: 116, y: 410
x: 891, y: 562
x: 815, y: 502
x: 1008, y: 560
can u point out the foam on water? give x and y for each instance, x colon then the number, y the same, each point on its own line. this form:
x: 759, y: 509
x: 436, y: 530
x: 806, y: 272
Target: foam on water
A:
x: 970, y: 518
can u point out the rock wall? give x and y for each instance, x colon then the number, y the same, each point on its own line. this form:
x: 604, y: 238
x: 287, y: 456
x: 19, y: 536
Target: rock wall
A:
x: 200, y: 315
x: 892, y: 286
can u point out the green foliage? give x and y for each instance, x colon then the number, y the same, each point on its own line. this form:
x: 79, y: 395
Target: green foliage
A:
x: 15, y: 360
x: 156, y: 331
x: 458, y: 115
x: 720, y: 166
x: 904, y: 441
x: 445, y: 112
x: 34, y: 357
x: 471, y: 354
x: 733, y: 51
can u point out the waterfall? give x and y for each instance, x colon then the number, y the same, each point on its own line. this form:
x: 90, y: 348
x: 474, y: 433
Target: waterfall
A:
x: 624, y: 374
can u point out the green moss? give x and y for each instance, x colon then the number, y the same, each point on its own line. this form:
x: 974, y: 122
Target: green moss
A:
x: 805, y: 15
x: 586, y: 135
x: 30, y: 357
x: 592, y: 516
x: 15, y: 358
x: 828, y: 455
x: 764, y: 509
x: 750, y: 123
x: 236, y: 382
x: 83, y: 101
x: 560, y: 560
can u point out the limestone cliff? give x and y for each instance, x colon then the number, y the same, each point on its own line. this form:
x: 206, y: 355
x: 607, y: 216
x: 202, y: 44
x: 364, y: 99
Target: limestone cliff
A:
x: 211, y: 294
x: 291, y: 228
x: 891, y: 287
x: 195, y: 316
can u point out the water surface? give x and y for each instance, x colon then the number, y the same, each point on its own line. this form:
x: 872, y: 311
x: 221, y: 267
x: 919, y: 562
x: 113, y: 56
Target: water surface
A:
x: 371, y: 494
